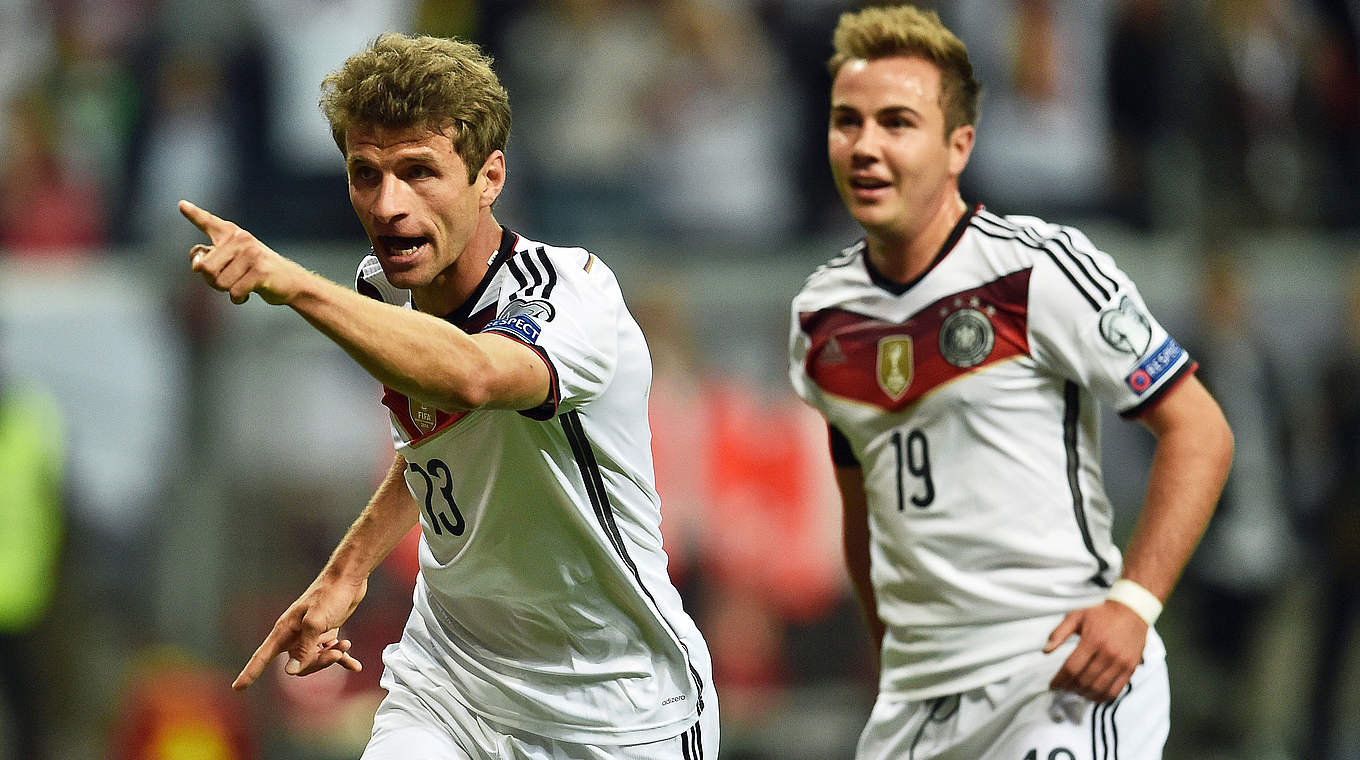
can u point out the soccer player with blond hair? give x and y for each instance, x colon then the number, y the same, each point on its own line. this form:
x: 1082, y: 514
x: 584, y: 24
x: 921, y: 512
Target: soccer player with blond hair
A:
x: 960, y: 358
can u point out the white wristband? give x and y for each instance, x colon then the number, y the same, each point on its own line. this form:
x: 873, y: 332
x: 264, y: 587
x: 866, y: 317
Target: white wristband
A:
x: 1136, y: 598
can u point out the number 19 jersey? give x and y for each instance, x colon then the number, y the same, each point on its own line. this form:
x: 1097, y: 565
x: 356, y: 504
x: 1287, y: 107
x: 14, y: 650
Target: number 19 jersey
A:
x: 969, y: 398
x: 543, y: 601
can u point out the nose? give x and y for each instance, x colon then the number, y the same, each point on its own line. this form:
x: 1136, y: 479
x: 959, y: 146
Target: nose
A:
x: 865, y: 147
x: 389, y: 199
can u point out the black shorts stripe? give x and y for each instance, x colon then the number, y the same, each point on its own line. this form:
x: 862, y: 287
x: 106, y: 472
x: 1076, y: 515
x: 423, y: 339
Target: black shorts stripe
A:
x: 1071, y: 418
x: 1104, y: 730
x: 604, y: 514
x: 1061, y: 257
x: 692, y: 743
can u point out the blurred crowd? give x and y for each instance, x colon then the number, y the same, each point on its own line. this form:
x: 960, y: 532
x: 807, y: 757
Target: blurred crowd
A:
x: 694, y: 117
x: 695, y: 129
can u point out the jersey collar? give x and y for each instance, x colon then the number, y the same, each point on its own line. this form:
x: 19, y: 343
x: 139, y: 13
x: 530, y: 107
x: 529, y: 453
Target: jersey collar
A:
x: 460, y: 315
x: 898, y: 288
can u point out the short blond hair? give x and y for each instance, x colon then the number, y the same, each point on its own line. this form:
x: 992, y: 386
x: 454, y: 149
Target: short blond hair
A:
x: 907, y: 31
x: 444, y: 85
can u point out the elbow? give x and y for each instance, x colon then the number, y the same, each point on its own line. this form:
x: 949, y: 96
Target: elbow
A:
x: 1214, y: 443
x: 1227, y: 444
x: 465, y: 394
x: 470, y: 396
x: 466, y: 388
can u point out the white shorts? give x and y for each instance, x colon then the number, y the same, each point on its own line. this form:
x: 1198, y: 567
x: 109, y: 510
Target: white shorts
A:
x: 406, y: 727
x: 1020, y: 718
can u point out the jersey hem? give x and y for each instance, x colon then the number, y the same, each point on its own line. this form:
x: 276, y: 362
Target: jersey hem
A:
x: 899, y: 682
x: 610, y: 736
x: 399, y: 670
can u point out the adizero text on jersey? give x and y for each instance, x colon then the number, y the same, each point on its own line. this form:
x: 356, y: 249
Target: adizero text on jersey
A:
x: 543, y: 602
x: 969, y: 398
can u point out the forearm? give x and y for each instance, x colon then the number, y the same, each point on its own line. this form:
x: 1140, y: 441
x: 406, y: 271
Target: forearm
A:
x: 414, y: 353
x: 857, y: 565
x: 387, y: 518
x: 855, y: 544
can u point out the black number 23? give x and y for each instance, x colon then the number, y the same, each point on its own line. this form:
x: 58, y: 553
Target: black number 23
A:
x: 439, y: 516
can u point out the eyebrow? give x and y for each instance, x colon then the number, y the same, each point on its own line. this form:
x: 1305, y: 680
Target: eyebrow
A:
x: 422, y: 155
x: 886, y: 110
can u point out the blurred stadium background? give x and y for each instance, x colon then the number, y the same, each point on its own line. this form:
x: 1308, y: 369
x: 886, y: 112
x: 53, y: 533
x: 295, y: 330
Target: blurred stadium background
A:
x: 203, y: 459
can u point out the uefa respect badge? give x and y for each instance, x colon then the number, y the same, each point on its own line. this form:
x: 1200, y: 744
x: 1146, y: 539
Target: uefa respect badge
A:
x: 519, y: 326
x: 1157, y: 363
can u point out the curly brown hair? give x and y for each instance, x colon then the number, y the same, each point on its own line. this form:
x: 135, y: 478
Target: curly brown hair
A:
x: 444, y: 85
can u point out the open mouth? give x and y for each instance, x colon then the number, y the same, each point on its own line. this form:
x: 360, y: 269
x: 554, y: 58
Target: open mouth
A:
x: 399, y: 245
x: 868, y: 183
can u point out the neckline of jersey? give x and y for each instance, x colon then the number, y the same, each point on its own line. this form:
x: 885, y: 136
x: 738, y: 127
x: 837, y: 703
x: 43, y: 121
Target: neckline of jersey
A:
x: 507, y: 249
x: 898, y: 288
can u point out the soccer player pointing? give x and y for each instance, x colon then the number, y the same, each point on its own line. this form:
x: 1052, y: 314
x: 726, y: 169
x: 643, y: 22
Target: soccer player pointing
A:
x: 959, y: 358
x: 544, y: 624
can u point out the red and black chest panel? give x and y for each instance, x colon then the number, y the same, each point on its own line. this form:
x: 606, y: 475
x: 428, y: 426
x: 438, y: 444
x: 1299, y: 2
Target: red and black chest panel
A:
x: 892, y: 365
x: 418, y: 419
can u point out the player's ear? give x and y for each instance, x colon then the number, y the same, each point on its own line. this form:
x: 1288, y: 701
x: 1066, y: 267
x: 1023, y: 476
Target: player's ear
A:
x: 960, y: 147
x: 492, y: 177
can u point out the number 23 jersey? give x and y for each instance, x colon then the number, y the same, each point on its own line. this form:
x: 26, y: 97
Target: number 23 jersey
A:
x: 969, y: 398
x: 543, y: 601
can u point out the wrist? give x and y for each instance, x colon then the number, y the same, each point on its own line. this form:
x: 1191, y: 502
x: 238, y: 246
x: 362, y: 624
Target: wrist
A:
x: 347, y: 570
x: 1132, y: 595
x: 296, y: 282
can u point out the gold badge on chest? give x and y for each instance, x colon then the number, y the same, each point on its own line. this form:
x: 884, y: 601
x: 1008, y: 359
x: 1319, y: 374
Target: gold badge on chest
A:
x: 895, y: 365
x: 423, y: 415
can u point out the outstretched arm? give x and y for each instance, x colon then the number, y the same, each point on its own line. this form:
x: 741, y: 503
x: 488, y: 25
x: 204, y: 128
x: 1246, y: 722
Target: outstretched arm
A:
x: 309, y: 629
x: 1193, y: 455
x: 419, y: 355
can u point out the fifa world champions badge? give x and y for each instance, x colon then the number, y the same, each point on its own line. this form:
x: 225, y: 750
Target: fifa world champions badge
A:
x: 895, y: 365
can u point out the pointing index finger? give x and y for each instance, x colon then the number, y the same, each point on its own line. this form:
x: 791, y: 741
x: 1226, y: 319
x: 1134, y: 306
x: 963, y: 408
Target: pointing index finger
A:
x: 204, y: 220
x: 267, y: 651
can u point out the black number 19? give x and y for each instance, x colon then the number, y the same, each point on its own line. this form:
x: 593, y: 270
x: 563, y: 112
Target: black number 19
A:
x: 913, y: 456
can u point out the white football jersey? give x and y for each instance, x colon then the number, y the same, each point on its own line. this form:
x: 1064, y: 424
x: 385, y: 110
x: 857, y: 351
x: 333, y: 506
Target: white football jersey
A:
x: 969, y: 398
x: 543, y: 601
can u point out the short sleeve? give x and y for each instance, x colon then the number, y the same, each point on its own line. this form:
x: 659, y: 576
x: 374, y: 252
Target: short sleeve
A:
x: 565, y: 305
x: 799, y: 343
x: 842, y: 453
x: 1089, y: 323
